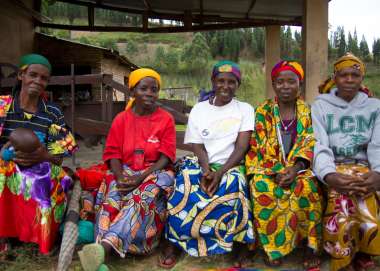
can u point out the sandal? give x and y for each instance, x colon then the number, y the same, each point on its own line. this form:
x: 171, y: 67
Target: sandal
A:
x: 92, y: 258
x: 364, y: 262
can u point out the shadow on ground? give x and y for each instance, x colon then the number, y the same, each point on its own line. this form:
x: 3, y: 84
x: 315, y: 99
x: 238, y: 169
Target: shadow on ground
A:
x: 26, y: 257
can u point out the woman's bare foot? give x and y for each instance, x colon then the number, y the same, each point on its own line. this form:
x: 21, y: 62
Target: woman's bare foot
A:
x: 4, y: 248
x: 168, y: 256
x: 311, y: 260
x: 363, y: 262
x: 242, y: 256
x: 272, y: 262
x: 348, y: 268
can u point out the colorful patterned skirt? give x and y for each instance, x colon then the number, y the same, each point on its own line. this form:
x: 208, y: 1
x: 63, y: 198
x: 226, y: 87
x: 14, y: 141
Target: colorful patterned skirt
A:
x: 204, y: 226
x: 32, y: 202
x: 284, y: 217
x: 133, y: 222
x: 351, y: 223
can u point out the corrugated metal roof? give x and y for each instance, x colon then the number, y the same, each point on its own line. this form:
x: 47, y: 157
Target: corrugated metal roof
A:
x: 106, y: 51
x: 195, y: 15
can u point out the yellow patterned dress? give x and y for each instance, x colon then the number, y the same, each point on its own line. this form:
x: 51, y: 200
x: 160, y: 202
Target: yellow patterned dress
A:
x: 283, y: 217
x: 351, y: 223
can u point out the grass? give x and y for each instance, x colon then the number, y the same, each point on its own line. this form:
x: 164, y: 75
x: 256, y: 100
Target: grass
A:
x: 180, y: 127
x: 251, y: 90
x: 372, y: 79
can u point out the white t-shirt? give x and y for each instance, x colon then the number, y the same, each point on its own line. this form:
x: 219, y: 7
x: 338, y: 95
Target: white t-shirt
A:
x: 217, y: 127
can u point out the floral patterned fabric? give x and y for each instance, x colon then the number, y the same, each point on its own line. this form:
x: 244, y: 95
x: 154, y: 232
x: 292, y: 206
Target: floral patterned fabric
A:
x: 133, y: 222
x: 32, y: 202
x: 203, y: 225
x: 351, y: 224
x: 33, y: 199
x: 283, y: 217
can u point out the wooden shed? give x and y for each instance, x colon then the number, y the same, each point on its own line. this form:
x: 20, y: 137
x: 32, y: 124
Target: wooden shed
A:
x: 88, y: 59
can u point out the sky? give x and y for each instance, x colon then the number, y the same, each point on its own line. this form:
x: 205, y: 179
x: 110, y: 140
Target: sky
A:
x: 362, y: 14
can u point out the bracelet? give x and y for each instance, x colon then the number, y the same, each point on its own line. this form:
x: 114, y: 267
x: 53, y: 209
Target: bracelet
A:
x: 302, y: 164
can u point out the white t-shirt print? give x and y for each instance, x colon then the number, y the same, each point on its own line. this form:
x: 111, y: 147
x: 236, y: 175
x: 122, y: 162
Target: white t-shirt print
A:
x: 217, y: 127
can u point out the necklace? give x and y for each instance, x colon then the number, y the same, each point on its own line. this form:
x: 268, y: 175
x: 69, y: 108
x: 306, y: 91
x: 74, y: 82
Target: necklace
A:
x: 286, y: 127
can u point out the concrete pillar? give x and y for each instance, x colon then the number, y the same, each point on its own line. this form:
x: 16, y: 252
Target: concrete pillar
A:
x: 315, y: 45
x: 272, y: 55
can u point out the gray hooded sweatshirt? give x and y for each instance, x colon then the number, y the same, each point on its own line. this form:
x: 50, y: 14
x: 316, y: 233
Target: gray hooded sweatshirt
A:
x: 345, y: 130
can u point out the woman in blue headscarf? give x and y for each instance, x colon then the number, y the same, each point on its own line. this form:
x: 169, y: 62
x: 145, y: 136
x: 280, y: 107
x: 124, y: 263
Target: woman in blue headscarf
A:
x: 209, y: 209
x: 33, y: 184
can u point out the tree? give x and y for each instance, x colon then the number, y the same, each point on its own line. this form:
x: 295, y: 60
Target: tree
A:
x: 376, y: 51
x: 159, y: 60
x: 131, y: 47
x: 297, y: 46
x: 286, y: 40
x: 196, y: 55
x: 72, y: 12
x: 364, y: 50
x: 258, y: 40
x: 352, y: 45
x: 214, y: 46
x: 342, y: 47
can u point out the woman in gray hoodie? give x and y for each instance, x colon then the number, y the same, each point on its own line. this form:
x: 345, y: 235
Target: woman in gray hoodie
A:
x: 346, y: 124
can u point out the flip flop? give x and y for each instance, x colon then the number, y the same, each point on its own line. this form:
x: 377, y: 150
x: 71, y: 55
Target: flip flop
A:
x: 92, y: 258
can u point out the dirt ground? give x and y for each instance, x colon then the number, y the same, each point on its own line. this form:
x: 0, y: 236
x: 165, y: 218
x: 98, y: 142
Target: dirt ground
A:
x: 26, y: 257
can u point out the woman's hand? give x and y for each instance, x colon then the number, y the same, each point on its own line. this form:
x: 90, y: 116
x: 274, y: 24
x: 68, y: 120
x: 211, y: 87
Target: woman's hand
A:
x: 346, y: 184
x: 214, y: 184
x: 285, y: 179
x: 129, y: 183
x: 370, y: 182
x: 29, y: 159
x: 210, y: 181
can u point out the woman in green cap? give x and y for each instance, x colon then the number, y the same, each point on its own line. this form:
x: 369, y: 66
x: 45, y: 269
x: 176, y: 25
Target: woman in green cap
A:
x: 209, y: 211
x: 33, y: 185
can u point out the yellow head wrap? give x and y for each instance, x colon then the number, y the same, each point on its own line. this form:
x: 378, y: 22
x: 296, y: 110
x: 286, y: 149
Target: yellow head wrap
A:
x: 349, y: 61
x: 136, y: 76
x: 346, y: 61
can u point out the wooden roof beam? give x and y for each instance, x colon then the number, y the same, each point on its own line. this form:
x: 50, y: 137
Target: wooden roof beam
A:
x: 170, y: 29
x: 201, y: 12
x: 188, y: 20
x: 251, y: 6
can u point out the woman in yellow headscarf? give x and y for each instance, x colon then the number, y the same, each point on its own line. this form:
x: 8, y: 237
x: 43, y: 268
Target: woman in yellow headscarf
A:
x: 139, y: 151
x: 286, y: 198
x: 346, y: 123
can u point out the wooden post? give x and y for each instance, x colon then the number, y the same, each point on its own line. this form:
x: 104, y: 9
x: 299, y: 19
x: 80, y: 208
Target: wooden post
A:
x: 73, y: 107
x: 272, y: 54
x: 104, y: 101
x: 109, y: 93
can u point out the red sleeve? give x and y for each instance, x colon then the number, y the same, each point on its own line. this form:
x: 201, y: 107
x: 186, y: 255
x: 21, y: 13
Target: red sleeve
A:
x: 114, y: 142
x: 168, y: 140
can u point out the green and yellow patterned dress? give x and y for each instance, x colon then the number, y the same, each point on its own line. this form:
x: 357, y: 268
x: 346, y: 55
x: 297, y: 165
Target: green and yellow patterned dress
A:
x: 283, y: 217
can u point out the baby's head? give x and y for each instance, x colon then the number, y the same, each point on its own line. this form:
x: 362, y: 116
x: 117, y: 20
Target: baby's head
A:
x: 25, y: 140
